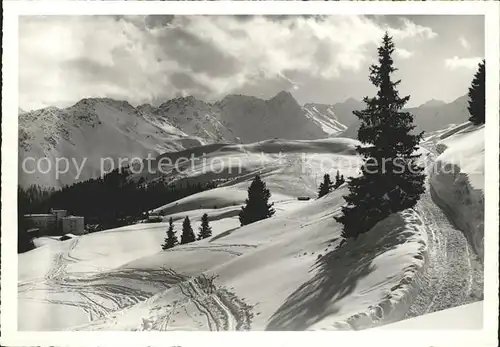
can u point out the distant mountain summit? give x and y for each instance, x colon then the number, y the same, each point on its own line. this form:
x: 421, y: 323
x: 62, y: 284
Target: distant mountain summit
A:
x: 432, y: 103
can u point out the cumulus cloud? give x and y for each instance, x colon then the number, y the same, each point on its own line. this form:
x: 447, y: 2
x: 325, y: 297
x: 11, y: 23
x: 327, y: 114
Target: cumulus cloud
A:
x: 459, y: 63
x: 403, y: 53
x: 144, y: 58
x: 464, y: 43
x: 412, y: 30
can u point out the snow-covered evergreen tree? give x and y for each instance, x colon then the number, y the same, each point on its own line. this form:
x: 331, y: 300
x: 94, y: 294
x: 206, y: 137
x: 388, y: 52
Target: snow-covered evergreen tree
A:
x: 187, y: 232
x: 477, y: 96
x: 171, y: 239
x: 339, y: 180
x: 205, y: 229
x: 391, y: 180
x: 257, y: 204
x: 326, y: 186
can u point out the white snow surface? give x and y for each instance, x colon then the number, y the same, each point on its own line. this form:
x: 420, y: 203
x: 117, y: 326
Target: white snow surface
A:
x: 465, y: 317
x: 457, y: 181
x: 287, y: 272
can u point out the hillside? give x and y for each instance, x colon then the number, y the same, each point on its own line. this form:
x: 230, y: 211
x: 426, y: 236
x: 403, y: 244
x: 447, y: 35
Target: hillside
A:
x: 120, y: 279
x: 139, y: 287
x: 86, y: 132
x: 101, y: 128
x: 326, y: 117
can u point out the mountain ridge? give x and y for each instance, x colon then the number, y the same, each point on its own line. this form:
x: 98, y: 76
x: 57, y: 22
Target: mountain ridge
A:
x: 93, y: 128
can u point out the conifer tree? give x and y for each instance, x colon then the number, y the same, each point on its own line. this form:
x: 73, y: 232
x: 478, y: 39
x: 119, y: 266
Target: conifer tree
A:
x: 257, y: 204
x: 390, y: 178
x: 477, y: 98
x: 339, y: 180
x: 326, y: 186
x: 171, y: 239
x: 187, y: 232
x: 205, y: 229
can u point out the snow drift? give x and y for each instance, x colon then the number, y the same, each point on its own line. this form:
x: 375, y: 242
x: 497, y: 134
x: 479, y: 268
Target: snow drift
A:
x: 457, y: 181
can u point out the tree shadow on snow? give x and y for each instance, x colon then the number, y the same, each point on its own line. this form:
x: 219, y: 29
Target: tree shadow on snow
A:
x: 337, y: 274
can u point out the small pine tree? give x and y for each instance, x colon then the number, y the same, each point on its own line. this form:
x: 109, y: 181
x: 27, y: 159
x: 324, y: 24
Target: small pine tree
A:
x: 171, y: 239
x: 326, y: 186
x: 477, y: 98
x: 187, y: 232
x: 257, y: 204
x: 391, y: 180
x: 339, y: 180
x: 205, y: 229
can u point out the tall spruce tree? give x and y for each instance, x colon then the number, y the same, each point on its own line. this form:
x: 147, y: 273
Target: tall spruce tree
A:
x: 326, y: 186
x: 257, y: 204
x: 205, y: 229
x: 477, y: 98
x: 171, y: 239
x: 187, y: 232
x: 391, y: 180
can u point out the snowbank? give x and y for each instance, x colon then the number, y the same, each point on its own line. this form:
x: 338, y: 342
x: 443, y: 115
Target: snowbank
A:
x: 393, y: 256
x: 463, y: 317
x: 457, y: 182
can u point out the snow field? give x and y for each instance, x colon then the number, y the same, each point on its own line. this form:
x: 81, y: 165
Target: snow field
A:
x: 282, y: 273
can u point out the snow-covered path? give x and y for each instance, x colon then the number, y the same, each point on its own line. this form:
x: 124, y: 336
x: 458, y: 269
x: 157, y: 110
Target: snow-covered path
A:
x: 454, y: 274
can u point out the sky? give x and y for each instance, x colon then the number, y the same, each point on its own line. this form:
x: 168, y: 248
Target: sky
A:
x: 323, y: 59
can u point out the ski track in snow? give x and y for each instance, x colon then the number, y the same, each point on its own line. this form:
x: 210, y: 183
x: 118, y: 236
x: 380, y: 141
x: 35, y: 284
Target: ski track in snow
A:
x: 221, y: 310
x: 94, y: 296
x: 454, y: 274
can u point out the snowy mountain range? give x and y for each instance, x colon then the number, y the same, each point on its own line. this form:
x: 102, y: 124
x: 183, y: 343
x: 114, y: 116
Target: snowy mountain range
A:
x: 432, y: 115
x: 96, y: 128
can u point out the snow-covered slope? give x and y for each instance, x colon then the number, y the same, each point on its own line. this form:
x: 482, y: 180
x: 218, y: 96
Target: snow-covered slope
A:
x: 458, y: 181
x: 465, y: 317
x: 102, y: 128
x: 238, y: 162
x: 288, y: 272
x: 324, y: 116
x: 86, y: 132
x: 193, y: 117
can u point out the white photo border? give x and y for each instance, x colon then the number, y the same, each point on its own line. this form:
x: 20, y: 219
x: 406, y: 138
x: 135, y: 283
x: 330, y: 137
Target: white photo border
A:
x: 474, y: 338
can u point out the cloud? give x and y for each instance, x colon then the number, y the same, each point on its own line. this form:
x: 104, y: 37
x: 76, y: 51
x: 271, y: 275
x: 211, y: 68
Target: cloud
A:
x: 141, y: 58
x: 403, y: 53
x: 412, y: 30
x: 464, y: 43
x: 458, y: 63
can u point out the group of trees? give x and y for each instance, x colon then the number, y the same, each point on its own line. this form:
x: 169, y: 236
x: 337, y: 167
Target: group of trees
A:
x: 112, y: 201
x: 257, y: 207
x: 391, y: 179
x: 327, y: 185
x: 187, y: 235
